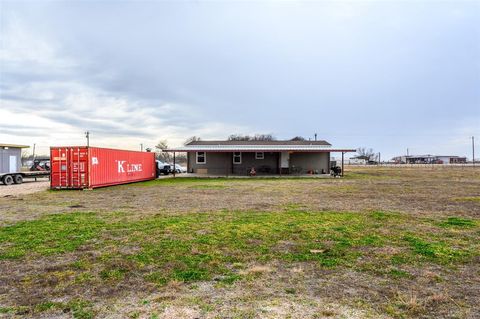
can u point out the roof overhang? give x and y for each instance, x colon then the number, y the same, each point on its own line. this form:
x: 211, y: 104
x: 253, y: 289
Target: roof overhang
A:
x: 258, y: 148
x: 14, y: 145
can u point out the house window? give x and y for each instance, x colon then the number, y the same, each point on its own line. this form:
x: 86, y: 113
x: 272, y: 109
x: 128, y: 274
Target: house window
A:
x: 259, y: 155
x: 237, y: 157
x: 201, y: 157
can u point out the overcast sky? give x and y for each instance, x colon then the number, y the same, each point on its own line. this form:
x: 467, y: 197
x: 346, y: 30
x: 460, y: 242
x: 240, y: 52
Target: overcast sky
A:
x: 385, y: 75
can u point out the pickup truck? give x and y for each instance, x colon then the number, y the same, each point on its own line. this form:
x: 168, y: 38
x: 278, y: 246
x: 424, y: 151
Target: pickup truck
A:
x: 163, y: 168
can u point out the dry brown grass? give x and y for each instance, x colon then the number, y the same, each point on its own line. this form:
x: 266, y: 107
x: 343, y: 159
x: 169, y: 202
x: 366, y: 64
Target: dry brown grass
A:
x: 425, y: 191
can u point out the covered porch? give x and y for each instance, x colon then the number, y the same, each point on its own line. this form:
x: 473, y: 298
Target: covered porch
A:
x: 272, y: 163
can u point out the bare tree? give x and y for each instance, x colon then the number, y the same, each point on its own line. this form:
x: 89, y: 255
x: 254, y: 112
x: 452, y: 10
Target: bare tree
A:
x: 298, y: 138
x: 256, y: 137
x: 191, y: 139
x: 365, y: 153
x: 238, y: 137
x: 26, y: 157
x: 263, y: 137
x: 181, y: 158
x: 163, y: 156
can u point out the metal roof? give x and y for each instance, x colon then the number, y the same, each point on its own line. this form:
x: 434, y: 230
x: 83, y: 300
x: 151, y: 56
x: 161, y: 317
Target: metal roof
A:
x: 14, y: 145
x: 257, y: 148
x: 253, y: 143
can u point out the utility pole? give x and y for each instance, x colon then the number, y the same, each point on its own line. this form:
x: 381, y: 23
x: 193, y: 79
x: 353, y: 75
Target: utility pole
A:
x: 87, y: 135
x: 141, y: 147
x: 473, y: 150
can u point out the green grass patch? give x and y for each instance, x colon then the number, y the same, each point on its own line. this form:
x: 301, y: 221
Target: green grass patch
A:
x: 6, y: 310
x: 51, y: 235
x: 113, y: 274
x: 439, y: 250
x: 230, y: 278
x: 220, y: 245
x: 213, y: 180
x: 458, y: 222
x: 398, y: 273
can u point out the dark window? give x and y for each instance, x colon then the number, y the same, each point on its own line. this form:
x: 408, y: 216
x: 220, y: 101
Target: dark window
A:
x: 201, y: 158
x: 237, y: 158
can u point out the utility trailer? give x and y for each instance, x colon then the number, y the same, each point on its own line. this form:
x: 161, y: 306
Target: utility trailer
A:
x: 18, y: 177
x: 11, y: 164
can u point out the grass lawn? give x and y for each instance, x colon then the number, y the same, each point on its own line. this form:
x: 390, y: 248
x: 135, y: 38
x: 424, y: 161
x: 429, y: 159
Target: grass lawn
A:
x: 382, y: 242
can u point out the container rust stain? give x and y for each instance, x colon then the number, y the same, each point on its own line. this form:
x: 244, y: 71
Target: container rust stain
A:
x: 81, y: 167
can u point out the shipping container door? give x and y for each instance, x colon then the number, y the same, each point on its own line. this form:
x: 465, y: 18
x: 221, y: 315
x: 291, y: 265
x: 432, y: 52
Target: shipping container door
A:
x: 69, y: 167
x: 78, y: 167
x: 58, y: 167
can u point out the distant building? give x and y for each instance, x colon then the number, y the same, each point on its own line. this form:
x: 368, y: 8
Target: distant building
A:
x: 10, y: 158
x: 429, y: 159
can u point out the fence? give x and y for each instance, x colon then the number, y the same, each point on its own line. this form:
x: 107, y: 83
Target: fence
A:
x: 456, y: 165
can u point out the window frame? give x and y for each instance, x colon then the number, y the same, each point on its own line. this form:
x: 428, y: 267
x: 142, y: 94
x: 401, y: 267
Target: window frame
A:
x: 259, y: 158
x: 204, y: 158
x: 237, y: 156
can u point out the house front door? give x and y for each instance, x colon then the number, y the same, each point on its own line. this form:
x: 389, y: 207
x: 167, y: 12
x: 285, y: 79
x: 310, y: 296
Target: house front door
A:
x: 284, y: 162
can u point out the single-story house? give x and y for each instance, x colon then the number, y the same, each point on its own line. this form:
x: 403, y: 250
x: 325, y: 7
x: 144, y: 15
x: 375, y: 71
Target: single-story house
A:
x: 266, y: 157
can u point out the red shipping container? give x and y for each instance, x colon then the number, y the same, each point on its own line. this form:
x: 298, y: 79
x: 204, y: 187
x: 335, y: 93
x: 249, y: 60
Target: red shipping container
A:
x: 78, y: 167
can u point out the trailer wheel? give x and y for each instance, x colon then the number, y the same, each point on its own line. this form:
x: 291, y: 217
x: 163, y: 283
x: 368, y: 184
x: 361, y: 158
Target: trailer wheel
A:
x: 8, y: 180
x: 18, y: 179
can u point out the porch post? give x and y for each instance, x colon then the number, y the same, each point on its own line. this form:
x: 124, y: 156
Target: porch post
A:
x: 329, y: 167
x: 279, y: 161
x: 342, y: 162
x: 174, y: 168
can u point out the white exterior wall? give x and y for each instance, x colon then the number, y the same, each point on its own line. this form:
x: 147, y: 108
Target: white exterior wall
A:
x: 444, y: 159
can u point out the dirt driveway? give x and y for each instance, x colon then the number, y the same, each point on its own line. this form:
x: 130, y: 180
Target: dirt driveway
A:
x: 28, y: 187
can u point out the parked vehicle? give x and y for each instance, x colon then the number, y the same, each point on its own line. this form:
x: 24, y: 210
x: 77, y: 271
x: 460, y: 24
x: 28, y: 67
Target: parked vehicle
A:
x: 79, y: 167
x: 163, y: 168
x: 179, y: 168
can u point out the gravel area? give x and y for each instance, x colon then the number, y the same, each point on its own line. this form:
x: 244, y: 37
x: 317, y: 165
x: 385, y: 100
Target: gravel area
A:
x: 27, y: 187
